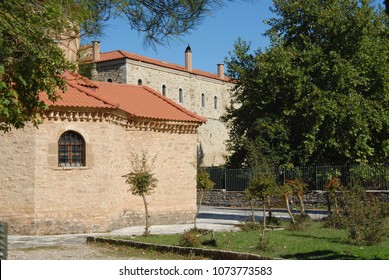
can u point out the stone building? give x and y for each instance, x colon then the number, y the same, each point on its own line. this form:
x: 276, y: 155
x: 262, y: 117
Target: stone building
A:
x: 201, y: 92
x: 66, y: 176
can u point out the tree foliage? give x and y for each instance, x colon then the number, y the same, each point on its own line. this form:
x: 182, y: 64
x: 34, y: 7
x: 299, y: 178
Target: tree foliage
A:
x: 262, y: 180
x: 320, y: 92
x: 203, y: 185
x: 30, y: 31
x: 142, y: 180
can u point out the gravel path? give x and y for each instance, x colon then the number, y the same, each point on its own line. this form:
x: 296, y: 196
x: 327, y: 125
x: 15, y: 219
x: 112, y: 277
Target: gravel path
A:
x: 72, y: 252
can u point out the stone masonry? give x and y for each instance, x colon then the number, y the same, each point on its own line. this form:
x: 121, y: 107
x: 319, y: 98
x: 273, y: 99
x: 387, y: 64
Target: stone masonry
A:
x: 206, y: 95
x: 38, y: 197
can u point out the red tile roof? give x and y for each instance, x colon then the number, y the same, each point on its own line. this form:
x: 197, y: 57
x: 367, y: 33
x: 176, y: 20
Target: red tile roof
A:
x: 138, y: 101
x: 118, y: 54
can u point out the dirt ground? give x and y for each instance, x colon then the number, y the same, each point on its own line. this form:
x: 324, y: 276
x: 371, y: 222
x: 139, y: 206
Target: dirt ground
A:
x: 76, y: 252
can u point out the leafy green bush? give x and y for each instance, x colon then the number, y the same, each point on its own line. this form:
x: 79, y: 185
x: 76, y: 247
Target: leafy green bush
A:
x: 335, y: 221
x: 302, y: 222
x: 370, y: 176
x: 366, y: 218
x: 264, y: 245
x: 271, y: 220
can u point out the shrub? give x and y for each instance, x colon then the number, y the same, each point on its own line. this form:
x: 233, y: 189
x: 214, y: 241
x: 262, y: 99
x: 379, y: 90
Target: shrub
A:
x: 366, y: 218
x: 249, y: 226
x: 265, y: 245
x: 335, y: 221
x: 195, y: 237
x: 271, y: 220
x: 302, y: 222
x: 190, y: 238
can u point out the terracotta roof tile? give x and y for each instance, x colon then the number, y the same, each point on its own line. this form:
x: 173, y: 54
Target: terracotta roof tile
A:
x: 118, y: 54
x: 142, y: 101
x: 138, y: 101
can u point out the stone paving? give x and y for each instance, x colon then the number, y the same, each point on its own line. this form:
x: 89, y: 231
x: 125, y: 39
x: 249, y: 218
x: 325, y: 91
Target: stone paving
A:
x: 216, y: 218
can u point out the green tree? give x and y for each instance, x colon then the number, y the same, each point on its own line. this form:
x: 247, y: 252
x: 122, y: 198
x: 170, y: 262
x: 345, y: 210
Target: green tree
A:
x: 262, y: 180
x: 31, y: 60
x: 142, y: 181
x: 204, y: 184
x: 286, y: 192
x: 319, y: 93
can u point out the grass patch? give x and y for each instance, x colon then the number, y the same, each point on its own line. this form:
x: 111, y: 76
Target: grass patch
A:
x: 125, y: 252
x: 317, y: 242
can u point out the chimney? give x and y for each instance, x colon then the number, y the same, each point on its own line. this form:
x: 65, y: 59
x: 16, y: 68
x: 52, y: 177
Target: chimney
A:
x: 220, y: 71
x: 96, y: 50
x: 188, y: 59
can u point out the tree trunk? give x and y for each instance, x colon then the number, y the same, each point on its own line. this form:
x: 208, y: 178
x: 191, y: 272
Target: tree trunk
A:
x: 202, y: 192
x: 252, y: 212
x: 301, y: 199
x: 337, y: 212
x: 147, y: 231
x: 264, y: 223
x: 288, y: 208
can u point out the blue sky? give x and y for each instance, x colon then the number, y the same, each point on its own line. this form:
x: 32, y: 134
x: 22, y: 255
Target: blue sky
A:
x: 211, y: 42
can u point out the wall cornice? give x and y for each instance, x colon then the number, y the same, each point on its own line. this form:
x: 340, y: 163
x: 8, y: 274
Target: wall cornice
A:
x: 127, y: 122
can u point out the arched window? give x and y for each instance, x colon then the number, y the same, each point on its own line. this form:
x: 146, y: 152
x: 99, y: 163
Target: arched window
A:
x: 140, y: 82
x: 202, y: 100
x: 71, y: 149
x: 164, y: 90
x: 180, y: 96
x: 215, y: 102
x: 109, y: 80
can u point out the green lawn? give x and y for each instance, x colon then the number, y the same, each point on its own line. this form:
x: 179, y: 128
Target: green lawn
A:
x: 317, y: 242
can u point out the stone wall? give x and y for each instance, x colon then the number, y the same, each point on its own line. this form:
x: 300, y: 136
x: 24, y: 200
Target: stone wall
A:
x: 114, y: 71
x: 17, y: 172
x: 38, y: 197
x: 312, y: 200
x: 212, y: 135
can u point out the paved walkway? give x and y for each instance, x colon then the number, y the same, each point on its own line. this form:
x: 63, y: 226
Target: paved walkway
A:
x: 216, y: 218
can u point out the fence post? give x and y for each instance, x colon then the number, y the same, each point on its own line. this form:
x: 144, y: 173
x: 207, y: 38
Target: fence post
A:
x: 225, y: 178
x: 3, y: 241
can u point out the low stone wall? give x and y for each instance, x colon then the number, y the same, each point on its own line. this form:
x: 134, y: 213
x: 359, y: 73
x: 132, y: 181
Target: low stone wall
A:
x: 313, y: 199
x: 207, y: 253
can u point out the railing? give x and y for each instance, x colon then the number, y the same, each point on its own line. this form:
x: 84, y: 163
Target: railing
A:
x: 3, y: 241
x: 375, y: 177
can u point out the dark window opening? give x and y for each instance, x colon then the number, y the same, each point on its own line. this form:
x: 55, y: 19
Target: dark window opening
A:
x: 180, y: 96
x: 202, y: 100
x: 215, y: 103
x: 164, y: 90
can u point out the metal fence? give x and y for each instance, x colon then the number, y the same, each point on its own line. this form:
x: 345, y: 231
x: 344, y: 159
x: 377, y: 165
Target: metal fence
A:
x: 3, y: 241
x: 374, y: 177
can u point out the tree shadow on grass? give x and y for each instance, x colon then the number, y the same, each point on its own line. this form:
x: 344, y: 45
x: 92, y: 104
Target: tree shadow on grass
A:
x: 320, y: 255
x: 329, y: 239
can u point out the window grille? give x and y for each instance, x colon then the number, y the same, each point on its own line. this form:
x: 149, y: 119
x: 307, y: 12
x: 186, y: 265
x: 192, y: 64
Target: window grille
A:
x: 71, y: 150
